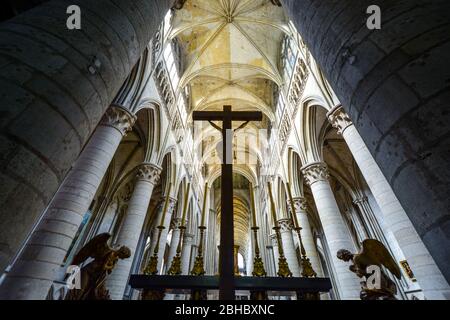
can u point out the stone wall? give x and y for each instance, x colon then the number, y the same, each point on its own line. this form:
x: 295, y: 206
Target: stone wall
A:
x: 395, y: 85
x: 50, y: 102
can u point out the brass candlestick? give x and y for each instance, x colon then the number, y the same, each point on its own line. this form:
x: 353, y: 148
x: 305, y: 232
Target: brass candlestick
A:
x: 152, y: 266
x: 198, y: 269
x: 258, y: 265
x: 283, y: 267
x: 175, y: 267
x: 305, y: 263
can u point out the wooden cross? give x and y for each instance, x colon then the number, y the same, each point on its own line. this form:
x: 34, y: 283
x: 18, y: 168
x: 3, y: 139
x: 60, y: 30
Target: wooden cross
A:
x: 226, y: 280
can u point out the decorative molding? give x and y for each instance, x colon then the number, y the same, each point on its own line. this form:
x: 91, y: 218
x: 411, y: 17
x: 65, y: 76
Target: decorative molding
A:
x: 149, y: 172
x: 175, y: 223
x: 300, y: 204
x: 119, y: 118
x: 164, y: 87
x: 285, y: 224
x: 298, y: 83
x: 171, y: 206
x: 315, y: 172
x: 339, y: 119
x: 157, y: 46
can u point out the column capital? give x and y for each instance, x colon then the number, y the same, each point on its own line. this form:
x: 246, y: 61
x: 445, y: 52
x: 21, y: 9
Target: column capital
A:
x: 119, y: 118
x: 171, y: 206
x: 300, y: 204
x: 175, y: 223
x: 285, y: 224
x: 315, y: 172
x: 339, y: 119
x: 148, y: 172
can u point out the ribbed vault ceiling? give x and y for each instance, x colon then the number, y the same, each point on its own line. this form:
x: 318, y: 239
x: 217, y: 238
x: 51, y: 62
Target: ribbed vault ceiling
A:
x: 231, y: 50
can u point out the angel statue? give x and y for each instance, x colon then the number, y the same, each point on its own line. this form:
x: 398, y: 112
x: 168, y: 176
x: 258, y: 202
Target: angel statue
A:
x: 93, y: 274
x: 367, y: 264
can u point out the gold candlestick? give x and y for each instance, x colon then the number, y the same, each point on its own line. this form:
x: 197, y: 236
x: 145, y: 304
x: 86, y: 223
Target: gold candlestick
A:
x: 175, y: 267
x: 258, y: 265
x: 198, y: 269
x: 283, y: 267
x: 152, y: 266
x: 305, y: 263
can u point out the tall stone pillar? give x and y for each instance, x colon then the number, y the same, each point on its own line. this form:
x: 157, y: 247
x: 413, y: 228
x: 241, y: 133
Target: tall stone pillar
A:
x: 37, y: 267
x: 287, y: 240
x: 430, y: 278
x: 334, y: 227
x: 55, y: 85
x: 188, y: 241
x: 301, y: 210
x: 130, y: 231
x: 394, y: 85
x: 176, y: 233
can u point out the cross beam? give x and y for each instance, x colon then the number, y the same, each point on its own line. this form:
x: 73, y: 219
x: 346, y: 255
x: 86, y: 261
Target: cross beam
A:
x: 303, y: 285
x: 226, y: 269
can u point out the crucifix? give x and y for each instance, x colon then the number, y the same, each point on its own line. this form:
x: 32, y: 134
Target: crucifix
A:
x: 226, y: 249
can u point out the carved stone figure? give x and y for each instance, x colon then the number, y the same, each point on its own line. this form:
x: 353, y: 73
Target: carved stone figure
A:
x: 93, y: 274
x: 376, y: 284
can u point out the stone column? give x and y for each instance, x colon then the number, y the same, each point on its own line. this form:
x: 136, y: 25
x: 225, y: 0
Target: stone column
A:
x: 176, y: 232
x: 52, y: 103
x: 188, y: 241
x: 130, y: 231
x: 334, y: 227
x: 287, y: 240
x: 301, y: 210
x: 37, y: 267
x: 398, y: 98
x: 430, y: 278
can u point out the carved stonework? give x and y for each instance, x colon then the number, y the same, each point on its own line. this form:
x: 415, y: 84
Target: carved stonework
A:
x: 339, y: 119
x: 164, y: 87
x: 273, y: 240
x: 300, y: 204
x: 315, y: 172
x: 149, y: 172
x: 171, y: 206
x: 285, y: 225
x: 119, y: 118
x: 298, y: 84
x: 175, y: 223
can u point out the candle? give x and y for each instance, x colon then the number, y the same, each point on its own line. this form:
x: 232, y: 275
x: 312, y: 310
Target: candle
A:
x: 205, y: 195
x: 185, y: 205
x: 272, y: 206
x: 293, y: 215
x: 166, y: 204
x: 252, y: 200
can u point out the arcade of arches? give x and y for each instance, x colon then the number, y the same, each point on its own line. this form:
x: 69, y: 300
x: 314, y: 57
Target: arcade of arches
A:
x: 97, y: 136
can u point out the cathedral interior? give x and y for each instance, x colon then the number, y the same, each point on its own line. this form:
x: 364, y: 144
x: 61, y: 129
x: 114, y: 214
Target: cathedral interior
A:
x: 105, y: 169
